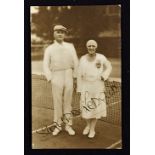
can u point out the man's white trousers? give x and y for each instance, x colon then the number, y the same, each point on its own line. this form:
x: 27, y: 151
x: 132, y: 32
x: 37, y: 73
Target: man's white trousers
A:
x: 62, y: 90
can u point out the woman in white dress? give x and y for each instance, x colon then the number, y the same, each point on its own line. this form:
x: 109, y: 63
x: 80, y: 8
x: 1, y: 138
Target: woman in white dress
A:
x: 94, y: 69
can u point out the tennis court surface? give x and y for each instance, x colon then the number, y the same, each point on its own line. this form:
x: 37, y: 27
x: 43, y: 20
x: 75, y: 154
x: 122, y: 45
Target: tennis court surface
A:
x: 108, y: 130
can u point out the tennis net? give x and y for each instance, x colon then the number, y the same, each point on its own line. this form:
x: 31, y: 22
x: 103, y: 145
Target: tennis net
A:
x: 42, y: 97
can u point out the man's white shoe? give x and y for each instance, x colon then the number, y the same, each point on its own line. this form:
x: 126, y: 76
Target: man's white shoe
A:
x: 70, y: 130
x: 91, y: 134
x: 86, y: 130
x: 56, y: 131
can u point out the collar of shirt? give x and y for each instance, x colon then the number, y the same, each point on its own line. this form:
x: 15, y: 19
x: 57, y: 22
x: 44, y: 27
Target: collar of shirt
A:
x: 62, y: 44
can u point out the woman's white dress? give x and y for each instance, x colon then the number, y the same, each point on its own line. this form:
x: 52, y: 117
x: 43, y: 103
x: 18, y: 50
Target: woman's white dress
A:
x: 92, y: 88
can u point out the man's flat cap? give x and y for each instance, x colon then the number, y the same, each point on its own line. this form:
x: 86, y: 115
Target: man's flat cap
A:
x: 60, y: 27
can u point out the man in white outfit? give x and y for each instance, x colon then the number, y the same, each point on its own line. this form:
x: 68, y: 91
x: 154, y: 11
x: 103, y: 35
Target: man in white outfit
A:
x: 60, y: 67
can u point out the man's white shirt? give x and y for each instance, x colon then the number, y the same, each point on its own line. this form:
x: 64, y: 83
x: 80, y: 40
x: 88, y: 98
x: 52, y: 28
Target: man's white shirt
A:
x: 60, y: 57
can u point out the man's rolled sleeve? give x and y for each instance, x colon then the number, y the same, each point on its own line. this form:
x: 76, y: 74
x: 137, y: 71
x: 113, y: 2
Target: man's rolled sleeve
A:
x: 75, y: 61
x: 46, y: 65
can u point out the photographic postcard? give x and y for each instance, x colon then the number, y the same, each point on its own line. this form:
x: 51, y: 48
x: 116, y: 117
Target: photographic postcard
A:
x: 77, y: 64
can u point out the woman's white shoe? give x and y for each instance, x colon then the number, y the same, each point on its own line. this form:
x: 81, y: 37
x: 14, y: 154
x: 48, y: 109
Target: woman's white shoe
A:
x: 86, y: 130
x: 91, y: 134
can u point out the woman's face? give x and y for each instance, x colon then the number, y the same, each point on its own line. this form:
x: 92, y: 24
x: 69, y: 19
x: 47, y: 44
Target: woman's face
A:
x: 91, y: 49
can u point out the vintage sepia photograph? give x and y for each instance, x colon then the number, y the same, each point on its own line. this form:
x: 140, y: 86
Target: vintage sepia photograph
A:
x: 76, y: 77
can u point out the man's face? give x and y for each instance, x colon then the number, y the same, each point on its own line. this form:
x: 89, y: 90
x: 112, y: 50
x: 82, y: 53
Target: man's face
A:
x: 91, y: 49
x: 59, y: 35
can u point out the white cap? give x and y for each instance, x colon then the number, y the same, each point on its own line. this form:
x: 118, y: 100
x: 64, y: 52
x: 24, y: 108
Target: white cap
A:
x: 91, y: 42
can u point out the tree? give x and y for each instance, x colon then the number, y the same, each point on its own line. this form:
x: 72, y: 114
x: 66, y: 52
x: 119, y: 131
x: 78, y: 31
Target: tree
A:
x: 82, y: 21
